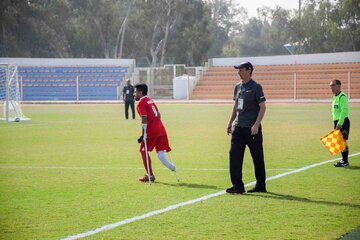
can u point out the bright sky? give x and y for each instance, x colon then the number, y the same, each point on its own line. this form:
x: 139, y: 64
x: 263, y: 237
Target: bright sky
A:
x: 252, y: 5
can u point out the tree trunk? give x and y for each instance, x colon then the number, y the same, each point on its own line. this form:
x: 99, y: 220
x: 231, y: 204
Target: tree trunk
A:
x: 121, y: 34
x: 118, y: 40
x: 122, y: 38
x: 103, y: 39
x: 154, y: 50
x: 167, y: 27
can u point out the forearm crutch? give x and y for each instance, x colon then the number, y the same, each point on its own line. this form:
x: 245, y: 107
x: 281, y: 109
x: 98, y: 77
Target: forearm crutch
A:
x: 147, y: 160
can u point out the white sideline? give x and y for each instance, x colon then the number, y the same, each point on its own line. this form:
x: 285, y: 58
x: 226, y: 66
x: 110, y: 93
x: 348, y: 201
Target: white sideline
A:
x: 175, y: 206
x: 125, y: 168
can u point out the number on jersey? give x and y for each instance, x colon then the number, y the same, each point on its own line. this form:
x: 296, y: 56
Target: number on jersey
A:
x: 155, y: 111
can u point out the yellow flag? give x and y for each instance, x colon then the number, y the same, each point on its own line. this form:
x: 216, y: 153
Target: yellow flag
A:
x: 334, y: 142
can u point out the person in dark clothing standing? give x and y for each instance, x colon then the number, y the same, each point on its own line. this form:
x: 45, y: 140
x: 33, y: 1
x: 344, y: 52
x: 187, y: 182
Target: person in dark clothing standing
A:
x: 340, y: 113
x: 128, y: 97
x: 248, y: 112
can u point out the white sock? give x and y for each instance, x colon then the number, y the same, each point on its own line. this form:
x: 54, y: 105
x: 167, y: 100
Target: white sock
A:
x: 162, y: 158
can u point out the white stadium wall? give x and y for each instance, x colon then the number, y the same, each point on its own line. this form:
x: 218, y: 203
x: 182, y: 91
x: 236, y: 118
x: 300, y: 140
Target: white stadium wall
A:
x: 68, y: 61
x: 319, y: 58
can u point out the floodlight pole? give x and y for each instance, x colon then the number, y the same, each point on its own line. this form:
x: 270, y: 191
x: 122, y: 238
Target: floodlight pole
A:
x: 300, y: 14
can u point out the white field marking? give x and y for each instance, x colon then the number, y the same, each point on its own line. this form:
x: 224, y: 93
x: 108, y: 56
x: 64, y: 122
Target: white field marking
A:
x: 70, y: 168
x: 15, y: 125
x: 126, y: 168
x: 175, y: 206
x: 227, y: 169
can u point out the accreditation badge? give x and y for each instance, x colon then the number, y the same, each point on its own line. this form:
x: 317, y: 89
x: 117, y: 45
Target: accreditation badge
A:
x: 127, y: 91
x: 240, y: 104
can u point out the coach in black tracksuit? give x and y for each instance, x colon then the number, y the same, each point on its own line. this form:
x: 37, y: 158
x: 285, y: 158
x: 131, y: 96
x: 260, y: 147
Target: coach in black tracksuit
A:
x: 248, y: 111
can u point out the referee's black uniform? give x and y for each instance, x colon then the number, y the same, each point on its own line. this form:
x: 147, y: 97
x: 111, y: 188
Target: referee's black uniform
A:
x: 247, y: 99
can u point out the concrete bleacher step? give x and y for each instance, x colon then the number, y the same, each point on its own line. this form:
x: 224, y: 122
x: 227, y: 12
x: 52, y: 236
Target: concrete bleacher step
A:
x: 312, y: 80
x: 226, y: 97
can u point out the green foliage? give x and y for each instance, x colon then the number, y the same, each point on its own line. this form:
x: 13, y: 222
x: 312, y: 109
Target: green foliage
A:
x: 74, y: 168
x: 230, y: 49
x: 325, y: 26
x: 173, y: 31
x: 330, y: 27
x: 34, y: 29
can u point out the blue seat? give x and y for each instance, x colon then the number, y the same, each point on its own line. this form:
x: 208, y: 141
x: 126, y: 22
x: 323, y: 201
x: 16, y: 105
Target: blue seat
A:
x: 59, y: 83
x: 49, y: 93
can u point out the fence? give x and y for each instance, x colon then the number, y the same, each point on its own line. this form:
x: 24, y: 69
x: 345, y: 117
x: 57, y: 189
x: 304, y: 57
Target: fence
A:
x: 160, y: 80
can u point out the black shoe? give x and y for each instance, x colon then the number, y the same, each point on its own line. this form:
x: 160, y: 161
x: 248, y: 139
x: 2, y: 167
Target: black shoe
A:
x: 234, y: 190
x: 341, y: 164
x: 257, y: 189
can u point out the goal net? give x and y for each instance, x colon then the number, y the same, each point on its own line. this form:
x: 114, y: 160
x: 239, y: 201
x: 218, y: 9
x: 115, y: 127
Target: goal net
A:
x: 10, y: 94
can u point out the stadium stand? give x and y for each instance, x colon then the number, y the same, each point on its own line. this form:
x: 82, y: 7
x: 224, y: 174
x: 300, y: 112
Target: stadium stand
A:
x: 71, y: 83
x: 284, y: 77
x: 295, y: 81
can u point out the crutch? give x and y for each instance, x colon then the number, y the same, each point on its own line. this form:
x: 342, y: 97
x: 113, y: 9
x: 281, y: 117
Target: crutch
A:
x: 147, y: 159
x: 176, y: 175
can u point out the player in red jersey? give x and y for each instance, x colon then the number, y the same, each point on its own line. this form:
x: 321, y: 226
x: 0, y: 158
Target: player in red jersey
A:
x: 153, y: 132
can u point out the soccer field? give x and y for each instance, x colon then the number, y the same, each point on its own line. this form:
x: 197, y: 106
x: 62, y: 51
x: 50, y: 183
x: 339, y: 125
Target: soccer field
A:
x: 74, y: 168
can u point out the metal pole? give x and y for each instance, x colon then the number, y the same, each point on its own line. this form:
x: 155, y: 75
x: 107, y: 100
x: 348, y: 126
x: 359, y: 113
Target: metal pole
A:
x: 188, y: 86
x: 21, y: 88
x: 7, y: 102
x: 300, y: 14
x: 295, y: 80
x: 77, y: 86
x: 349, y: 84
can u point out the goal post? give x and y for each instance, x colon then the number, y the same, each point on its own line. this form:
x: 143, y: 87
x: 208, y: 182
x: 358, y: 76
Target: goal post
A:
x: 10, y: 98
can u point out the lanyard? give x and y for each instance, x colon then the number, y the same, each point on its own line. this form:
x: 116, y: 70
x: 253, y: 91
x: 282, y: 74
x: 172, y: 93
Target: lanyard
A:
x: 243, y: 87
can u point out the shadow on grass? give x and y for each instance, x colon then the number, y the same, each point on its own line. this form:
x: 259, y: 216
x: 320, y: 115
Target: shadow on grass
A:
x: 353, y: 167
x: 189, y: 185
x: 301, y: 199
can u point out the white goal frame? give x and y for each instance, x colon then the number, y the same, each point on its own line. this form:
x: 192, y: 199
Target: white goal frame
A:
x: 10, y: 98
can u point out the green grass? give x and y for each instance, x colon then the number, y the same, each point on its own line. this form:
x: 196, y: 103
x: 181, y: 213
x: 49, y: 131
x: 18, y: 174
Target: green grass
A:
x: 74, y: 168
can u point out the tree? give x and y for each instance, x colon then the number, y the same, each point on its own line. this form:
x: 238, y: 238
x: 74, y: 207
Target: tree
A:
x: 151, y: 23
x: 121, y: 33
x: 172, y: 31
x: 349, y: 15
x: 191, y: 40
x: 278, y: 31
x: 34, y: 29
x: 330, y: 27
x: 252, y: 39
x: 10, y: 14
x: 226, y: 18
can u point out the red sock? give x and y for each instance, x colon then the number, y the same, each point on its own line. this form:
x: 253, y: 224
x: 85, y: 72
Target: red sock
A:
x: 145, y: 163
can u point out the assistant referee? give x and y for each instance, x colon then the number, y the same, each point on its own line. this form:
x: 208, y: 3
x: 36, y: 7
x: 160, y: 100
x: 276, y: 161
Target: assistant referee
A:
x: 340, y: 113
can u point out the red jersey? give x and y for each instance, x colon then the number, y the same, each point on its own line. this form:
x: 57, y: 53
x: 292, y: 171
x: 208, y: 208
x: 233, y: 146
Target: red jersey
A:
x: 146, y: 107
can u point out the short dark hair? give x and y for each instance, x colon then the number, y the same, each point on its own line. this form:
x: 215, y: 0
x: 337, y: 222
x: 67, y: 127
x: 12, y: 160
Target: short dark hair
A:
x: 337, y: 82
x: 142, y: 87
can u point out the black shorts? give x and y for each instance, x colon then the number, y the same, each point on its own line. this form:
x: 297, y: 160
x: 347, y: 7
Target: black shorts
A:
x: 345, y: 130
